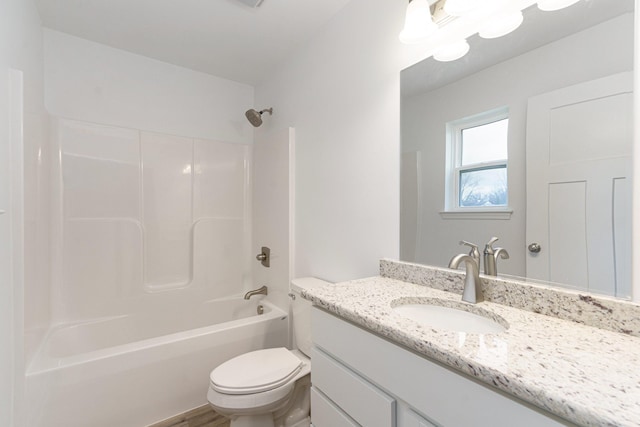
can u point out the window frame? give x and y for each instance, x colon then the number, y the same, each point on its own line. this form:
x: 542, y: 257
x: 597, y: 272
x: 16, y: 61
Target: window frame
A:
x: 454, y: 140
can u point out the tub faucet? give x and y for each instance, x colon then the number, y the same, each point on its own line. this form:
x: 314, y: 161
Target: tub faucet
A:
x: 491, y: 255
x: 259, y: 291
x: 472, y: 283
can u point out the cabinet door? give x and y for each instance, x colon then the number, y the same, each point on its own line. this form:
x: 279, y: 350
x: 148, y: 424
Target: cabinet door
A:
x: 424, y: 385
x: 325, y: 414
x: 408, y: 418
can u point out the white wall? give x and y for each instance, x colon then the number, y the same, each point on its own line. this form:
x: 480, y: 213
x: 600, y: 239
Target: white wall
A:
x: 95, y: 83
x: 20, y: 49
x: 341, y: 94
x: 563, y: 63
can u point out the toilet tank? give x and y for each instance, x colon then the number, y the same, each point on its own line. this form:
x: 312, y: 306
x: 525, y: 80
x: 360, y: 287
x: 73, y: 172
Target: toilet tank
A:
x: 301, y: 312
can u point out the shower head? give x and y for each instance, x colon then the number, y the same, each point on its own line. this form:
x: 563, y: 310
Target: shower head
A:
x: 255, y: 117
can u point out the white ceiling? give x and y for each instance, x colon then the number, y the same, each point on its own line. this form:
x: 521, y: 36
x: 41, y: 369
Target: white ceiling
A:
x: 225, y: 38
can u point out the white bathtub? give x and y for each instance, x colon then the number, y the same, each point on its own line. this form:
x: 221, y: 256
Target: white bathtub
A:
x: 131, y: 371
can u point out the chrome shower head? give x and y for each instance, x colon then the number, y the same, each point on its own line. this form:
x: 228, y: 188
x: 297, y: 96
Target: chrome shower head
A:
x: 255, y: 117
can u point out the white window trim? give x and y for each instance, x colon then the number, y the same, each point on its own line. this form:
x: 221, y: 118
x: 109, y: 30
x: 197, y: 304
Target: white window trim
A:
x: 452, y: 210
x: 478, y: 214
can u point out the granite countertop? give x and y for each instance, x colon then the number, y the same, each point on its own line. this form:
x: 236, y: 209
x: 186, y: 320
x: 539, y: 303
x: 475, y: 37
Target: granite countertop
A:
x: 587, y: 375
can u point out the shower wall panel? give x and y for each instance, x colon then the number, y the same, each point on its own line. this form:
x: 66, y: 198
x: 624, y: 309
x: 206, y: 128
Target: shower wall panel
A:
x: 147, y: 219
x: 222, y: 212
x: 167, y: 210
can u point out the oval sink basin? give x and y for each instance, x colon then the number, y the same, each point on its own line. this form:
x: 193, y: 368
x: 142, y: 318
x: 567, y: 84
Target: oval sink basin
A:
x: 450, y: 319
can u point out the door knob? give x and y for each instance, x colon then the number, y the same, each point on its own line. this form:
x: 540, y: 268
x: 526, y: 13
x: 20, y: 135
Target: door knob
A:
x: 534, y: 248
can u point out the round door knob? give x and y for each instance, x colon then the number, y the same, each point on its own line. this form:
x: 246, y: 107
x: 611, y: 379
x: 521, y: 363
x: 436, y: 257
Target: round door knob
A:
x: 534, y: 248
x: 261, y: 257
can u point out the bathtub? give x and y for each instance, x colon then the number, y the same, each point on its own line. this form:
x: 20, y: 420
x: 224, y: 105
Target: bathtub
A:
x: 134, y: 370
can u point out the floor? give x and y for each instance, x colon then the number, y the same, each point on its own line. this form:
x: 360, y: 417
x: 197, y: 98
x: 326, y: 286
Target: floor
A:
x: 203, y: 416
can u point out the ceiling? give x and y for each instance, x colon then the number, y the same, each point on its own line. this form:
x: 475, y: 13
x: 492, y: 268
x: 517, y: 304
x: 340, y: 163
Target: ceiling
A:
x: 225, y: 38
x: 538, y: 29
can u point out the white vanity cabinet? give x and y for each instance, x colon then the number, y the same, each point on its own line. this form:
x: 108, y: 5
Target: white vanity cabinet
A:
x: 361, y: 379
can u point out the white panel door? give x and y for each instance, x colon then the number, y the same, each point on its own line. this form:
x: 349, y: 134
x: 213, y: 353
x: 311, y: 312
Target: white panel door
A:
x: 579, y: 142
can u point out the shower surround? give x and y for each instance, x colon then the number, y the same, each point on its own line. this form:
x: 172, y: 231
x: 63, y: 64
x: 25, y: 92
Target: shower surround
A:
x: 141, y: 217
x: 151, y: 235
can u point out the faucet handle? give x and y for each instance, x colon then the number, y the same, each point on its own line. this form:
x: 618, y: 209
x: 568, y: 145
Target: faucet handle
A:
x: 474, y: 252
x: 472, y: 245
x: 489, y: 245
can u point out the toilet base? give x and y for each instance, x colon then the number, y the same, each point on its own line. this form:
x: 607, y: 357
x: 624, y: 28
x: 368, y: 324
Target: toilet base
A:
x: 265, y: 421
x: 294, y: 413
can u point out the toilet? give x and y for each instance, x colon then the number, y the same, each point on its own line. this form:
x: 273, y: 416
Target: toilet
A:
x: 270, y: 387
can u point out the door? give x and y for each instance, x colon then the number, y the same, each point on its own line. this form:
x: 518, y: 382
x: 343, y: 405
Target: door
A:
x: 579, y: 142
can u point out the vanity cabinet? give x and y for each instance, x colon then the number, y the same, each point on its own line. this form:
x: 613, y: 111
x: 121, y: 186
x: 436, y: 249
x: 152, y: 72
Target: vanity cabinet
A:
x: 361, y: 379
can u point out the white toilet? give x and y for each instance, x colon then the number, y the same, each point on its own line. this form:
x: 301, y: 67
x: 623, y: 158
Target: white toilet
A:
x: 269, y: 388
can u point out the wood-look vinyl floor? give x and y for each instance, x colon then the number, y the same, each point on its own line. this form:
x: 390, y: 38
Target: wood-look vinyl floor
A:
x: 203, y: 416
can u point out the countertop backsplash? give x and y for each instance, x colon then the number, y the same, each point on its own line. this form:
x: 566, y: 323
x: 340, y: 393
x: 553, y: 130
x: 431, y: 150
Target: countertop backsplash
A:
x: 588, y: 309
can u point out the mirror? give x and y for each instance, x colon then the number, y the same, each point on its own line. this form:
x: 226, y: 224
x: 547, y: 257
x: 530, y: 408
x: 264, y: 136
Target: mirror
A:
x: 565, y: 79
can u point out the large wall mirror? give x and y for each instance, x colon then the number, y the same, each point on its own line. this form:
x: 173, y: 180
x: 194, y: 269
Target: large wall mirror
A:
x: 564, y: 83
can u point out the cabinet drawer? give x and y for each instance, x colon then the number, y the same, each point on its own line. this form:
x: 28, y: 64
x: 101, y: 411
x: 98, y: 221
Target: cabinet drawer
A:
x: 364, y: 402
x: 326, y: 414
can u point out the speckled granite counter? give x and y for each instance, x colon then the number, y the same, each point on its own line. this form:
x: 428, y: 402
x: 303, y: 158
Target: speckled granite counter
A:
x: 587, y: 375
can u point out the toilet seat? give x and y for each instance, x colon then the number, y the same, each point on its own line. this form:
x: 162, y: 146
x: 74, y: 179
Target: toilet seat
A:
x: 255, y: 372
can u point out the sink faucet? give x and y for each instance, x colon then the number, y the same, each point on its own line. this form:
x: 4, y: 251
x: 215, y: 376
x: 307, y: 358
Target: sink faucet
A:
x: 491, y: 255
x: 472, y: 283
x: 259, y: 291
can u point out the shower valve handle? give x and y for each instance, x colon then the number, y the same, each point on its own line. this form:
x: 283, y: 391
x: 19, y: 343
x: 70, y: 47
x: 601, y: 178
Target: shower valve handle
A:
x: 265, y: 256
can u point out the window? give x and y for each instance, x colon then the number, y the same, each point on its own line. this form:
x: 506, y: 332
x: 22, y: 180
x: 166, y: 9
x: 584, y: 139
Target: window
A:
x: 477, y: 163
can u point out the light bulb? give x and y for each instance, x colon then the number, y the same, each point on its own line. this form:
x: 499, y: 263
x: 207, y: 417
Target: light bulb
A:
x: 418, y: 25
x: 551, y: 5
x: 500, y: 25
x: 452, y: 51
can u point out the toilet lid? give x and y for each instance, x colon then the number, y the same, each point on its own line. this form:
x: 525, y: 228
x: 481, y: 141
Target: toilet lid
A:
x: 254, y: 372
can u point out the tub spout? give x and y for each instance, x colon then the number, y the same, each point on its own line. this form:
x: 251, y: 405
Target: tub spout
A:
x: 259, y: 291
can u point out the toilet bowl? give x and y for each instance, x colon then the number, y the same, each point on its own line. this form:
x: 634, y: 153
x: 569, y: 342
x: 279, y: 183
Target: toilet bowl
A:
x: 270, y: 387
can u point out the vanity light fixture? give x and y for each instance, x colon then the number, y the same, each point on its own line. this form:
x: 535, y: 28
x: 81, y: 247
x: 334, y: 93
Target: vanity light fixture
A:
x: 453, y: 21
x: 460, y: 7
x: 452, y: 51
x: 551, y: 5
x: 418, y: 24
x: 501, y: 25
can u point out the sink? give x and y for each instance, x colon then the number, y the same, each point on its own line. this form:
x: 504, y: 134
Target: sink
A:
x: 456, y: 318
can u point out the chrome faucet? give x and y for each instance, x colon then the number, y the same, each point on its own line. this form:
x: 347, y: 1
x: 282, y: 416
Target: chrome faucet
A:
x: 472, y: 283
x: 259, y: 291
x: 491, y: 255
